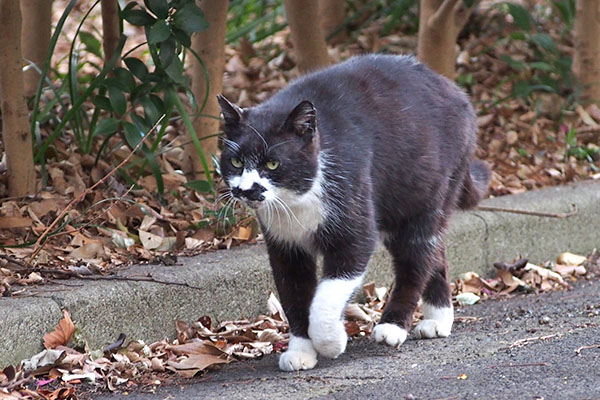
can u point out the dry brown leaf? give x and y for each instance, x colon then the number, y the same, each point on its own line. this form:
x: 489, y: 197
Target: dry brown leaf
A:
x: 15, y: 222
x: 243, y: 234
x: 61, y: 335
x: 195, y: 363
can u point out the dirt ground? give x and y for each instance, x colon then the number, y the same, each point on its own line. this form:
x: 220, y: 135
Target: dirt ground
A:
x: 543, y: 346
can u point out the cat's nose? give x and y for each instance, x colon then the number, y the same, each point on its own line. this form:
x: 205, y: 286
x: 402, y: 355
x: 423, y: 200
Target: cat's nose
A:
x: 255, y: 193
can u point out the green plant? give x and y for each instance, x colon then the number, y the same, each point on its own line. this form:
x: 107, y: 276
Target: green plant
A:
x: 126, y: 100
x: 587, y: 153
x: 548, y: 70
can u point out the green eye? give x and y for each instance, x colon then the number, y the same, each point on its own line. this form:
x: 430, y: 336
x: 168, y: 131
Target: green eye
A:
x: 272, y: 164
x: 236, y: 162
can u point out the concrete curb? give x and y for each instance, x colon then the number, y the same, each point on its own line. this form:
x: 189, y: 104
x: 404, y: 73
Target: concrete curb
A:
x: 236, y: 283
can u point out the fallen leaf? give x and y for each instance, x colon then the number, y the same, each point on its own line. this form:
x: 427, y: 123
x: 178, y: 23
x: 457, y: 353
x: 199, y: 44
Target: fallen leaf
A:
x: 567, y: 258
x: 61, y: 334
x: 15, y: 222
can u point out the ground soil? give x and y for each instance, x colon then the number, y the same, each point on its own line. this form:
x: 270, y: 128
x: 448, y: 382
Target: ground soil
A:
x: 525, y: 347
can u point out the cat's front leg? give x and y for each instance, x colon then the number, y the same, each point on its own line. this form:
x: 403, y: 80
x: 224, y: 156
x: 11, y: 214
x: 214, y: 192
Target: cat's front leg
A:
x: 326, y: 322
x: 294, y: 272
x: 343, y: 272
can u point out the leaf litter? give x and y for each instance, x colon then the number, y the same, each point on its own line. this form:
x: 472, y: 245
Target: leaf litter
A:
x: 528, y: 143
x: 59, y: 371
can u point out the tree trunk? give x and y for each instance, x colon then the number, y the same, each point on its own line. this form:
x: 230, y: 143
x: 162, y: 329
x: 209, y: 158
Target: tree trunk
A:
x: 440, y: 22
x: 307, y: 34
x: 586, y: 62
x: 35, y: 39
x: 111, y: 30
x: 15, y: 116
x: 333, y: 14
x: 210, y: 47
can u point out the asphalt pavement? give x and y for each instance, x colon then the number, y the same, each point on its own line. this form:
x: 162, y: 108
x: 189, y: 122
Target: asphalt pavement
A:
x: 534, y: 346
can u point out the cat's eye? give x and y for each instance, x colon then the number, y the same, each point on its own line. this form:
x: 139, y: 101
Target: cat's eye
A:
x: 272, y: 164
x: 236, y: 162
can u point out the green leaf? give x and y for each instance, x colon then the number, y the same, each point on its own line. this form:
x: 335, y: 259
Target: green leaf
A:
x: 153, y: 113
x: 469, y: 3
x: 118, y: 102
x: 517, y: 65
x: 132, y: 134
x: 175, y: 71
x: 166, y: 51
x: 190, y: 19
x: 92, y: 44
x: 182, y: 37
x: 520, y: 15
x: 102, y: 102
x: 160, y: 8
x: 137, y: 67
x: 106, y: 126
x: 159, y: 31
x: 540, y: 65
x: 137, y: 17
x: 544, y: 41
x: 199, y: 186
x: 125, y: 79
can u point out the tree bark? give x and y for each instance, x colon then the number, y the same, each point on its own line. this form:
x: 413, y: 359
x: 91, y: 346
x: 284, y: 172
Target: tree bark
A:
x: 15, y: 116
x: 586, y: 62
x: 440, y: 22
x: 333, y: 14
x: 307, y: 35
x: 35, y: 38
x: 111, y: 30
x: 210, y: 47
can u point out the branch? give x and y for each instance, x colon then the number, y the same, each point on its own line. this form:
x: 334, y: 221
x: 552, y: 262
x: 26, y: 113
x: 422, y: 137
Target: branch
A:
x: 38, y: 244
x: 462, y: 14
x: 444, y: 11
x: 526, y: 212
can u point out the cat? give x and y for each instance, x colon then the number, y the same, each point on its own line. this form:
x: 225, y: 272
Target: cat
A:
x: 376, y: 147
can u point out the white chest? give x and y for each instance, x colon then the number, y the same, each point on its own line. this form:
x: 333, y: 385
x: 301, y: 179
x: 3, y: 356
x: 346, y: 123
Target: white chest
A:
x: 293, y: 218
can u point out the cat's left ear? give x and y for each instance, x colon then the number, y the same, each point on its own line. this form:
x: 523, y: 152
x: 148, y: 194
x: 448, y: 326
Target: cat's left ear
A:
x: 303, y: 119
x: 231, y: 113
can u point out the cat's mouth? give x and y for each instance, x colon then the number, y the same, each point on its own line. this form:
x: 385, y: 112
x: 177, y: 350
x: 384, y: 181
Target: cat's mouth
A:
x: 254, y: 204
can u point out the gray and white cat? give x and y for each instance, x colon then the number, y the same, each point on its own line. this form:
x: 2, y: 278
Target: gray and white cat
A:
x: 377, y: 146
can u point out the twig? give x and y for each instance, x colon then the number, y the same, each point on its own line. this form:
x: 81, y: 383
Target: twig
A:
x: 38, y: 244
x: 540, y: 364
x: 593, y: 346
x: 525, y: 341
x: 526, y: 212
x: 13, y: 260
x: 17, y: 383
x: 147, y: 278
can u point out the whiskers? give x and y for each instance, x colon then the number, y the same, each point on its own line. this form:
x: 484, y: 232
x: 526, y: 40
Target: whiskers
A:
x: 227, y: 210
x: 276, y: 205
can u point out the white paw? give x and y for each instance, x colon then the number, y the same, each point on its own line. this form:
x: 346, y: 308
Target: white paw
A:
x: 430, y: 328
x: 300, y: 355
x: 328, y: 337
x: 390, y: 334
x: 437, y: 322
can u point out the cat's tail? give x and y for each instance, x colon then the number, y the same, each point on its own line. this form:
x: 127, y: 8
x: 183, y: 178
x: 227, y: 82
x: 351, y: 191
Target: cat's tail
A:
x: 475, y: 184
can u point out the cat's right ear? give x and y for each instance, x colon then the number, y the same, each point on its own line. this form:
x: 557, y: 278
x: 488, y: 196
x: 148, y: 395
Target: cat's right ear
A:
x: 231, y: 113
x: 303, y: 119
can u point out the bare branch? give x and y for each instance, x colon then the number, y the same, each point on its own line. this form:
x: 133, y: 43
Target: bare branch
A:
x: 444, y: 12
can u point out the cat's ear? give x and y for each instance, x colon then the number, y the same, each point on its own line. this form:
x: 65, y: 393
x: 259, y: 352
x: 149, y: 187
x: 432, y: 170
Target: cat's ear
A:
x: 303, y: 119
x: 231, y: 113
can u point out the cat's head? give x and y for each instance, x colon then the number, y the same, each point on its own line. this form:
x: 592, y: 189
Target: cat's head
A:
x: 270, y: 153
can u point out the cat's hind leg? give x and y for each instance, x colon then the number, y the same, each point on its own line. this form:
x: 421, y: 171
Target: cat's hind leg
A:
x: 414, y: 248
x: 436, y: 304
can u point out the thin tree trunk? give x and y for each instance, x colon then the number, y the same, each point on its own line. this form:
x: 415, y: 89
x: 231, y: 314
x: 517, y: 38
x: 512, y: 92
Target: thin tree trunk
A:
x: 333, y: 14
x: 586, y: 62
x: 440, y: 22
x: 210, y: 47
x: 307, y: 35
x: 15, y: 116
x: 111, y: 30
x: 35, y: 38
